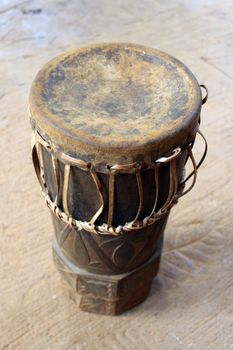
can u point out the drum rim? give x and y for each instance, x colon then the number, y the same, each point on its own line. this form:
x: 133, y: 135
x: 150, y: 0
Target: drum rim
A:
x: 83, y: 147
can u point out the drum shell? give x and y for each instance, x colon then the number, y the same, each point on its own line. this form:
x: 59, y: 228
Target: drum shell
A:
x: 108, y: 254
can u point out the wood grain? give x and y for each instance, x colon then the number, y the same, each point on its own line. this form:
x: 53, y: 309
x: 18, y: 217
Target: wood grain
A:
x: 191, y: 302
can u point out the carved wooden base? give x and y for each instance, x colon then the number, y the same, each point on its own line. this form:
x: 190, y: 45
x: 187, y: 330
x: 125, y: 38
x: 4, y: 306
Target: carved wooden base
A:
x: 107, y: 294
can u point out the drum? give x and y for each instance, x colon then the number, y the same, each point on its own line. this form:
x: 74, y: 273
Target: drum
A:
x: 113, y: 128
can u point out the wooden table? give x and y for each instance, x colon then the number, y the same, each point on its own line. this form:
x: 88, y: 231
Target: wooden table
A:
x: 191, y: 302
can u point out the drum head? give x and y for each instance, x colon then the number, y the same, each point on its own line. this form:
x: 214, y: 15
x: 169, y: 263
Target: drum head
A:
x: 115, y: 102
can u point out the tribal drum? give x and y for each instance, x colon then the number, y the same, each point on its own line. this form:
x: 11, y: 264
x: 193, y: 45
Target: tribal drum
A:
x: 113, y: 128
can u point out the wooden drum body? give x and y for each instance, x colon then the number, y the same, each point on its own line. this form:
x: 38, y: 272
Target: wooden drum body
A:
x: 114, y: 126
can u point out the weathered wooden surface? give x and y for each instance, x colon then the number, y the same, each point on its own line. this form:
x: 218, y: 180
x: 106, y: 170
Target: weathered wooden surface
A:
x: 191, y: 302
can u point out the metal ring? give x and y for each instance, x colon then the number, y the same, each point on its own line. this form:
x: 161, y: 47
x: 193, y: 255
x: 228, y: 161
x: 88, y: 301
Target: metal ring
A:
x: 204, y: 99
x: 174, y: 154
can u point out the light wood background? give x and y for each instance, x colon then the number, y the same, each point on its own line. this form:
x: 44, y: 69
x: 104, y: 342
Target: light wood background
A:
x: 191, y: 301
